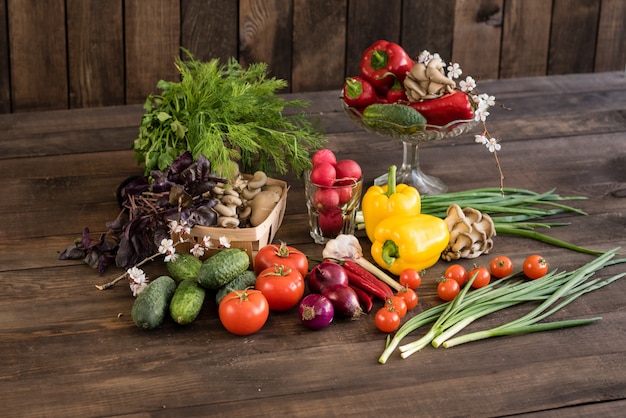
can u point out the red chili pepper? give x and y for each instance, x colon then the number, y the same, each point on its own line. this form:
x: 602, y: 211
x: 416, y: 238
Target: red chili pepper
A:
x: 445, y: 109
x: 365, y: 299
x: 362, y: 278
x: 358, y: 92
x: 384, y: 62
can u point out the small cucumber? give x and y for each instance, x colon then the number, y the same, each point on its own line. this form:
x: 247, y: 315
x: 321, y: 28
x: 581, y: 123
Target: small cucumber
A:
x: 404, y: 118
x: 185, y: 266
x: 222, y: 268
x: 187, y: 301
x: 241, y: 282
x: 151, y: 305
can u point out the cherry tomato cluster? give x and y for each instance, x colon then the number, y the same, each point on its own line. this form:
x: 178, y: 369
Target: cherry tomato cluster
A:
x: 389, y: 317
x: 334, y: 180
x: 455, y: 276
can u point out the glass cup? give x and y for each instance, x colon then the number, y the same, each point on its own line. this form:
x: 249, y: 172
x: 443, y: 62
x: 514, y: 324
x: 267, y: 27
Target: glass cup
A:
x: 332, y: 209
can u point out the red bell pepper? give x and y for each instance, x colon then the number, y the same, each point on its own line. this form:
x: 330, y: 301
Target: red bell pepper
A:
x: 384, y: 62
x: 396, y: 93
x: 446, y: 109
x: 358, y: 93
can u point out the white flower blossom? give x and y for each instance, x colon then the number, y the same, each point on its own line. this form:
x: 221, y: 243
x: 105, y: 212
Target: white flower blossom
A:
x: 493, y: 145
x: 424, y: 57
x: 487, y: 99
x: 171, y: 257
x: 468, y: 84
x: 197, y: 250
x: 138, y: 280
x: 481, y: 114
x: 167, y: 246
x: 224, y: 242
x: 454, y: 71
x: 206, y: 242
x: 481, y: 139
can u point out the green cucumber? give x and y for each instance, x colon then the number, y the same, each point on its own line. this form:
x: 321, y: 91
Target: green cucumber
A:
x: 187, y: 301
x: 151, y: 305
x: 403, y: 118
x: 242, y: 281
x: 185, y: 266
x: 222, y: 268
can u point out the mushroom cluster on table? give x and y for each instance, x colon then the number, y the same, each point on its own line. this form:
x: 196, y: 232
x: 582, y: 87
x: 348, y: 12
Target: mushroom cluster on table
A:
x: 471, y: 233
x: 245, y: 201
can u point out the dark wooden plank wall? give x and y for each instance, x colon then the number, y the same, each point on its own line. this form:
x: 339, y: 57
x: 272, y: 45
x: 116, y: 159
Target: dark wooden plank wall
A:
x: 58, y: 54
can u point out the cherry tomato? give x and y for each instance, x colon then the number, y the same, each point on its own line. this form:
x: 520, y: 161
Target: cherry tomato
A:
x: 535, y: 266
x: 410, y: 297
x: 398, y: 304
x: 457, y: 273
x: 387, y: 319
x: 501, y: 266
x: 243, y: 312
x: 281, y: 254
x: 410, y: 278
x: 282, y: 286
x: 447, y: 289
x: 483, y: 277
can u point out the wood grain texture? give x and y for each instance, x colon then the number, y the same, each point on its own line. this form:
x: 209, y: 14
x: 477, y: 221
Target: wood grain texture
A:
x: 152, y: 41
x: 5, y: 63
x: 38, y: 54
x: 428, y: 25
x: 319, y: 33
x: 266, y: 35
x: 477, y: 33
x: 209, y: 28
x: 95, y: 53
x: 611, y: 47
x: 525, y: 38
x: 574, y: 34
x: 79, y: 351
x: 369, y: 21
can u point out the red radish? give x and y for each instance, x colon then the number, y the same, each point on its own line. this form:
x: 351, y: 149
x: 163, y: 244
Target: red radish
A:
x: 326, y: 198
x: 324, y: 156
x: 330, y: 222
x: 347, y: 172
x: 323, y: 174
x: 345, y: 194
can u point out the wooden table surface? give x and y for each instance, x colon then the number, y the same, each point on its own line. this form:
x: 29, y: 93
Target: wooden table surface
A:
x: 68, y: 349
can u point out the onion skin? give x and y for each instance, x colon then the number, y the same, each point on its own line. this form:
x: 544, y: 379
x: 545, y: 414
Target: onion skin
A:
x: 345, y: 301
x: 316, y: 311
x: 326, y: 275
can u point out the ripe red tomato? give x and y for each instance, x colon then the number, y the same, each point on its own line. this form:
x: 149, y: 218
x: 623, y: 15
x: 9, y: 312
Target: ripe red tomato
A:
x: 535, y: 266
x: 281, y: 254
x: 398, y: 304
x: 483, y: 277
x: 447, y: 289
x: 456, y: 272
x: 501, y: 266
x: 243, y: 312
x: 283, y: 287
x: 410, y: 278
x: 410, y: 297
x: 387, y: 319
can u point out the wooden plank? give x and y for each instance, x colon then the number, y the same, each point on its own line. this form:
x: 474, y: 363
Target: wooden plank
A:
x: 209, y: 28
x: 574, y: 30
x: 95, y: 53
x: 5, y: 64
x: 525, y: 38
x: 319, y: 33
x: 611, y: 45
x: 265, y: 35
x: 428, y: 25
x: 38, y: 54
x: 477, y: 34
x: 152, y: 30
x: 369, y: 21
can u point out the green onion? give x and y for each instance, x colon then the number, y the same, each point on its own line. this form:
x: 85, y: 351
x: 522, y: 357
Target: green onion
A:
x: 553, y: 291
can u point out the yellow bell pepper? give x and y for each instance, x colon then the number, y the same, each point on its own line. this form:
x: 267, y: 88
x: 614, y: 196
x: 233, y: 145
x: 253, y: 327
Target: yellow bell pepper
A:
x: 382, y: 202
x: 414, y: 241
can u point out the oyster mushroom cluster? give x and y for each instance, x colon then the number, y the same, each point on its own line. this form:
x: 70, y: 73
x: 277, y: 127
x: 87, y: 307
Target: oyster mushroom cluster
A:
x: 471, y: 233
x: 428, y: 80
x: 245, y: 201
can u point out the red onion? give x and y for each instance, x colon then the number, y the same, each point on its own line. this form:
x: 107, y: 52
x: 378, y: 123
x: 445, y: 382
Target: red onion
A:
x: 325, y: 275
x: 345, y: 301
x: 316, y: 311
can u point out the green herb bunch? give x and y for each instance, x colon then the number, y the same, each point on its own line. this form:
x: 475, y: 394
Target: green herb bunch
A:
x: 229, y: 114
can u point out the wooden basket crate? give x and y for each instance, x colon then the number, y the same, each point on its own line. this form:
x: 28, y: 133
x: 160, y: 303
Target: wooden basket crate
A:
x: 248, y: 239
